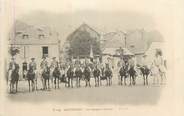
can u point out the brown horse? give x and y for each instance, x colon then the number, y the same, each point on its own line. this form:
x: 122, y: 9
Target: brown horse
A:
x: 123, y: 74
x: 87, y: 75
x: 46, y: 77
x: 14, y: 78
x: 96, y: 74
x: 56, y: 75
x: 145, y: 73
x: 31, y: 78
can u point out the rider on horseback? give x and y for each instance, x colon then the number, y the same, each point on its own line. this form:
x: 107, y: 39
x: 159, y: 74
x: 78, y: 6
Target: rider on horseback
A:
x: 43, y: 66
x: 53, y: 65
x: 11, y: 67
x: 32, y: 65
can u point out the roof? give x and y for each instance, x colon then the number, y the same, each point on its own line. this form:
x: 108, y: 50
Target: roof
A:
x: 154, y: 46
x: 83, y: 27
x: 34, y: 35
x: 115, y: 51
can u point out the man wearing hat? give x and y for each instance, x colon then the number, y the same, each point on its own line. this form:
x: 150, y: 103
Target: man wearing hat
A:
x: 32, y: 65
x: 53, y: 65
x: 24, y: 69
x: 12, y: 65
x: 43, y: 64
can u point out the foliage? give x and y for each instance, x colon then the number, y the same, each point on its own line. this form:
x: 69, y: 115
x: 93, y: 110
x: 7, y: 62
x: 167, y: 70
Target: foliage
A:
x: 13, y: 51
x: 80, y: 44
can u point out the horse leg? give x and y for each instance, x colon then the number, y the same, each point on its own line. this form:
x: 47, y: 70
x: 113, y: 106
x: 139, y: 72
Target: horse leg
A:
x: 48, y: 83
x: 86, y: 83
x: 144, y: 79
x: 79, y: 81
x: 10, y: 87
x: 55, y: 82
x: 130, y: 80
x: 121, y: 79
x: 108, y: 81
x: 16, y: 86
x: 98, y: 81
x: 58, y: 82
x: 29, y: 85
x: 36, y: 84
x: 111, y: 80
x: 32, y: 84
x: 72, y: 82
x: 147, y: 79
x: 95, y: 81
x: 133, y: 77
x: 124, y: 80
x: 161, y: 75
x: 89, y: 83
x: 43, y: 83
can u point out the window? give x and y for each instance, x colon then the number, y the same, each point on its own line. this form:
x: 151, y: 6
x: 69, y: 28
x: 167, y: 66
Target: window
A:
x: 40, y: 36
x: 132, y: 46
x: 25, y: 36
x: 45, y: 51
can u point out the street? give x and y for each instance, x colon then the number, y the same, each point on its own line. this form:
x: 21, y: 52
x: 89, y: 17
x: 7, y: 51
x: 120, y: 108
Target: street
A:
x: 115, y: 94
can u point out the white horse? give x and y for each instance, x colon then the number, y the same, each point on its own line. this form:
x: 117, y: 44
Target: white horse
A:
x: 158, y: 73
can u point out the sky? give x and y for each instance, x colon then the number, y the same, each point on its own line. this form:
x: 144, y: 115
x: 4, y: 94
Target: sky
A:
x: 103, y: 15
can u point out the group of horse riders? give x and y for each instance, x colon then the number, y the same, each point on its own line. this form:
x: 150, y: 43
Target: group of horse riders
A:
x: 57, y: 72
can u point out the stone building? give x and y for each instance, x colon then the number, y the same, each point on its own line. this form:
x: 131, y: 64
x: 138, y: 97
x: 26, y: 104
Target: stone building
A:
x: 34, y: 42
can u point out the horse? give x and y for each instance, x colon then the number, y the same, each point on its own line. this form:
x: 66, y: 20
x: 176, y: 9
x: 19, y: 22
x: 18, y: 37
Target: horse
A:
x: 63, y: 76
x: 162, y: 72
x: 14, y: 78
x: 108, y: 76
x: 87, y: 75
x: 78, y: 75
x: 156, y: 74
x: 31, y: 78
x: 132, y: 74
x: 123, y: 74
x: 145, y: 73
x: 56, y: 74
x: 46, y: 78
x: 70, y: 76
x: 96, y: 74
x: 103, y: 77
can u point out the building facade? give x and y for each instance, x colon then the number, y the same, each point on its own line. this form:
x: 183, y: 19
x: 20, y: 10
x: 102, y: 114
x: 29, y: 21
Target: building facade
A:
x: 34, y: 42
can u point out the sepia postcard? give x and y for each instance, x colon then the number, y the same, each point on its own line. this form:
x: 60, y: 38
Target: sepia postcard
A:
x: 91, y: 57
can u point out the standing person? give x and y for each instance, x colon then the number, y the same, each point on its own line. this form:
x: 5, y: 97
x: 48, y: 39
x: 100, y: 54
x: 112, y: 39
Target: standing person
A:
x: 43, y: 66
x: 24, y: 69
x: 159, y: 63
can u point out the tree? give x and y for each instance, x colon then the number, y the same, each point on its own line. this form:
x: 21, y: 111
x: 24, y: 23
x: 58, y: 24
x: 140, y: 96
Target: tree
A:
x: 80, y: 44
x: 13, y: 51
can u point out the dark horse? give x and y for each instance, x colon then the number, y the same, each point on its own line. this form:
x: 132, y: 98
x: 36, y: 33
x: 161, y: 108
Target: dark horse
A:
x: 96, y: 74
x: 31, y: 78
x: 87, y: 75
x: 56, y: 74
x: 123, y: 74
x: 78, y: 74
x: 14, y: 78
x: 132, y: 74
x: 46, y: 77
x: 145, y: 73
x: 70, y: 76
x: 108, y: 76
